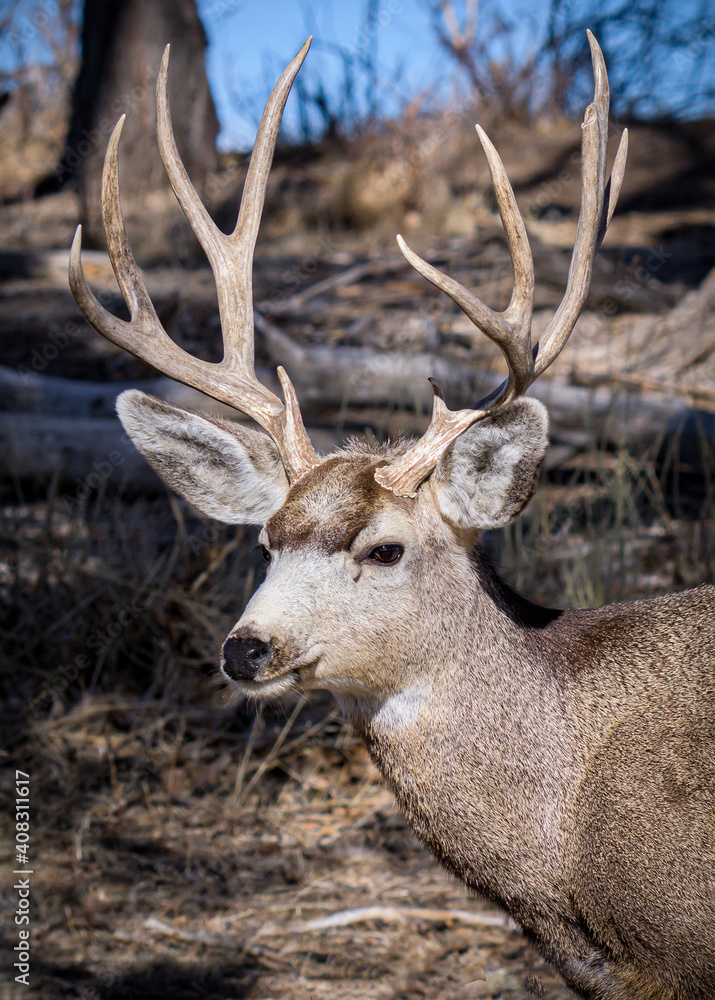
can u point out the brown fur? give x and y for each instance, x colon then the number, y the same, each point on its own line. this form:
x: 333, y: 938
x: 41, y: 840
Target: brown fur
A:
x: 330, y: 506
x: 567, y: 772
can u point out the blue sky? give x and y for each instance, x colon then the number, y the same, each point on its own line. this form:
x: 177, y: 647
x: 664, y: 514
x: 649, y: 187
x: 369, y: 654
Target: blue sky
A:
x: 251, y: 41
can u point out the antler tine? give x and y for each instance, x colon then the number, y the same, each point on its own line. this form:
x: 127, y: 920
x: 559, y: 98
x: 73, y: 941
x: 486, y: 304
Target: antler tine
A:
x: 511, y: 330
x: 597, y: 206
x: 233, y: 380
x: 613, y: 188
x: 144, y: 335
x: 231, y: 256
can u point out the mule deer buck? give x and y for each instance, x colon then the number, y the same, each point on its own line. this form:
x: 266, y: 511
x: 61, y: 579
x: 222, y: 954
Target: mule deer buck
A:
x: 561, y: 763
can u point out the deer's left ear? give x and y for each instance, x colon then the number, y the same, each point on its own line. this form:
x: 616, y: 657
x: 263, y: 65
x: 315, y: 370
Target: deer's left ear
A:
x: 489, y: 474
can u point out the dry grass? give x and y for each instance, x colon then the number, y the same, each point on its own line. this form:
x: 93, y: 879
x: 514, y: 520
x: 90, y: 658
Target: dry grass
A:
x: 155, y: 878
x: 613, y: 528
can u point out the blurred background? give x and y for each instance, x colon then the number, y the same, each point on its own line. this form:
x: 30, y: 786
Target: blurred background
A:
x: 183, y: 843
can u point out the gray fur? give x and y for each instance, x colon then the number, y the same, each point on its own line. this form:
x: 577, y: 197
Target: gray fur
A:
x: 227, y: 471
x: 489, y: 474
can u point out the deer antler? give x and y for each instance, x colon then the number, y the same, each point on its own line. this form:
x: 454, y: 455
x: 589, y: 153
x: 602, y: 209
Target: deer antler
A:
x: 233, y: 379
x: 511, y: 329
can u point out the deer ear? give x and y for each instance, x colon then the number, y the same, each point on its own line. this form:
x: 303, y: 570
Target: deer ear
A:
x: 489, y: 474
x: 230, y: 472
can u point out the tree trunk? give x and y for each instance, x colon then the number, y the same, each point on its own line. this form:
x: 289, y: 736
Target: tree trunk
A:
x: 122, y: 46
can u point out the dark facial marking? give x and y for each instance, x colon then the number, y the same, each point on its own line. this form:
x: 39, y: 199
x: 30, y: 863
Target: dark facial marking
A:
x: 330, y: 506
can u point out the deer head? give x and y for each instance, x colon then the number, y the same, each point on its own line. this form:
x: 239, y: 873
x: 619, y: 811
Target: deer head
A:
x: 367, y: 546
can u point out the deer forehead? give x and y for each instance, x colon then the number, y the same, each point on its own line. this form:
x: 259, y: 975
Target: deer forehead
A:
x: 331, y: 505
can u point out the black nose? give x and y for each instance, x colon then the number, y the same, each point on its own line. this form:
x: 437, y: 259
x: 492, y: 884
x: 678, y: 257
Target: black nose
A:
x: 244, y: 655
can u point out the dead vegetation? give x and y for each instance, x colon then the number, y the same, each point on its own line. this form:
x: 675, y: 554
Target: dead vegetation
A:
x: 186, y: 847
x: 185, y: 855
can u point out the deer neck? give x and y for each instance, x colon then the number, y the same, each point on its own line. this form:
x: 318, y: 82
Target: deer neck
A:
x: 485, y: 640
x: 477, y: 750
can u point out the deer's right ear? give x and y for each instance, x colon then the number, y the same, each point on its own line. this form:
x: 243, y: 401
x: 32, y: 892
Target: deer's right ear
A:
x: 228, y: 471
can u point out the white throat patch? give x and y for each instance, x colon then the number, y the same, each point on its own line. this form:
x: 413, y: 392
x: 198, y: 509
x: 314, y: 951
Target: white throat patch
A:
x: 402, y: 709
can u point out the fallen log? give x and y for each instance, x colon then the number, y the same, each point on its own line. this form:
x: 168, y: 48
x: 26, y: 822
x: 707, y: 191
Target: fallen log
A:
x: 62, y: 427
x: 83, y: 454
x: 95, y: 449
x: 80, y: 454
x: 65, y: 397
x: 331, y: 381
x: 325, y: 378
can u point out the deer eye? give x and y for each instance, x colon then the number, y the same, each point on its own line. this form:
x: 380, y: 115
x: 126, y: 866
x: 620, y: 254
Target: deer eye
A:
x: 265, y: 553
x: 386, y: 555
